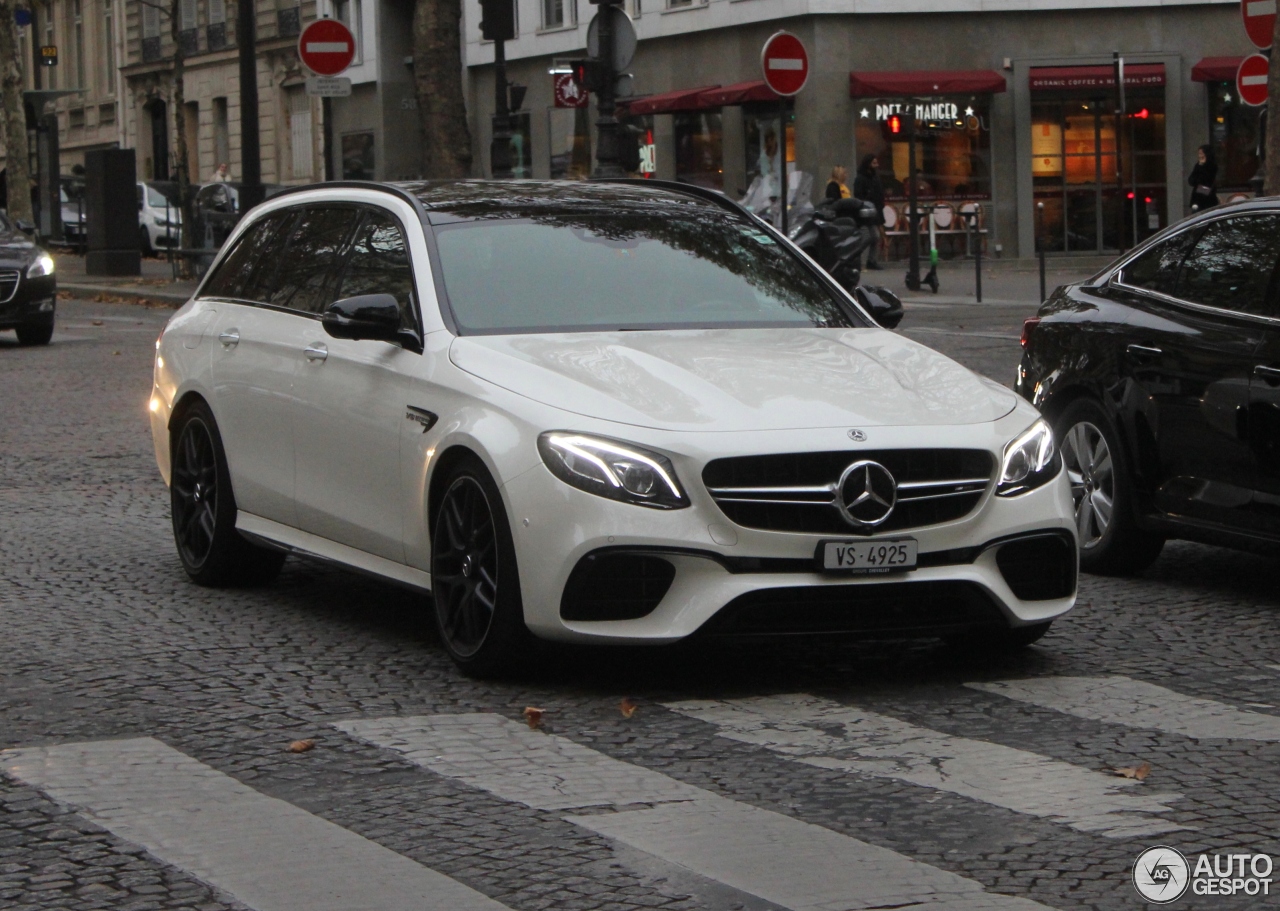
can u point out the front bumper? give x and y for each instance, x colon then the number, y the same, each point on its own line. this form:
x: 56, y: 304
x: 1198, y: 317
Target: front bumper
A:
x: 724, y: 572
x: 33, y: 302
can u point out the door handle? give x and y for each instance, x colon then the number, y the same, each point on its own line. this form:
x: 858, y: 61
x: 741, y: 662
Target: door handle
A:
x: 1268, y: 374
x: 229, y: 338
x: 1143, y: 353
x: 316, y: 352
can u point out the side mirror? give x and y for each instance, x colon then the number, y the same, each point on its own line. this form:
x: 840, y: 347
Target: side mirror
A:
x: 25, y: 227
x: 883, y: 305
x: 374, y: 316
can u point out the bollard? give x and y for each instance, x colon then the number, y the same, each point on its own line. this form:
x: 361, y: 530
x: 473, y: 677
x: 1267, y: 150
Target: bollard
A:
x: 1040, y: 246
x: 971, y: 224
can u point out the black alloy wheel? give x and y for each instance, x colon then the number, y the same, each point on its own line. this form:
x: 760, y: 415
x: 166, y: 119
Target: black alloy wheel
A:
x: 475, y: 584
x: 204, y: 509
x: 1111, y: 543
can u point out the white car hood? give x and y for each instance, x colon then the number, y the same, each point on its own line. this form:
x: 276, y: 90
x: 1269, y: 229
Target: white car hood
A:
x: 737, y: 379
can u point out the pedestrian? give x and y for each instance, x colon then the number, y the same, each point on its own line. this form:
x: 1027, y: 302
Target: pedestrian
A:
x: 222, y: 174
x: 868, y: 188
x: 1203, y: 177
x: 836, y: 188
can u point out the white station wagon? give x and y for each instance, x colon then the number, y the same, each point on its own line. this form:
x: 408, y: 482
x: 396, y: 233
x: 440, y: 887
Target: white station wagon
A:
x: 614, y: 412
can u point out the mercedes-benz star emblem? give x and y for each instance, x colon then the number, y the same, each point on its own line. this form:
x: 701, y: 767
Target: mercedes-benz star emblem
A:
x: 857, y: 436
x: 866, y: 494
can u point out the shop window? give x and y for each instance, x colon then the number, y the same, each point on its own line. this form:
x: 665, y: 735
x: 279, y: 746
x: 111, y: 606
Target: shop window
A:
x: 953, y: 145
x: 699, y: 159
x: 760, y: 124
x: 638, y: 128
x: 1234, y: 134
x: 357, y: 156
x: 570, y: 130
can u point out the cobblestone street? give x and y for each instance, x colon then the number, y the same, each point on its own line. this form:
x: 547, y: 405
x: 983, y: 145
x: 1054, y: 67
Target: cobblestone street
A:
x: 145, y: 721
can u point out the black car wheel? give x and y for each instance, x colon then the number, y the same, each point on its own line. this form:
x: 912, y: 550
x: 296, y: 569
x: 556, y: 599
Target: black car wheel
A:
x: 144, y: 241
x: 35, y: 333
x: 1102, y: 493
x: 204, y: 509
x: 475, y: 583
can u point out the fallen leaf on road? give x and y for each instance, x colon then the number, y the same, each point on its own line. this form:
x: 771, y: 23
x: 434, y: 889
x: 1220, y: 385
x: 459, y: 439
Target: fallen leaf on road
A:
x: 115, y: 352
x: 301, y: 746
x: 1138, y: 772
x: 97, y: 322
x: 533, y: 717
x: 628, y: 708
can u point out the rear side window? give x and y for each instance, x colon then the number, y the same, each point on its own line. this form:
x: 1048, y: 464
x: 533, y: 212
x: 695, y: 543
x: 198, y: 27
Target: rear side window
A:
x: 308, y: 269
x: 252, y: 262
x: 379, y: 264
x: 1232, y: 264
x: 1157, y: 268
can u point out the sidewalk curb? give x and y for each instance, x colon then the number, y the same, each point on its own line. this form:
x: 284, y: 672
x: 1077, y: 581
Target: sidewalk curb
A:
x: 82, y: 291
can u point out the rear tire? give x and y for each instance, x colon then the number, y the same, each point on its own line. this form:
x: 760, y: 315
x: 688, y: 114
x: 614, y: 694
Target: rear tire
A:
x: 35, y: 333
x: 474, y: 578
x: 1102, y: 491
x: 204, y: 509
x: 144, y: 241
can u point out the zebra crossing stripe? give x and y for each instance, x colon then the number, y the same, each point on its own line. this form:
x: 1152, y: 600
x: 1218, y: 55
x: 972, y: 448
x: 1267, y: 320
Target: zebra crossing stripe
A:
x: 1137, y: 704
x: 829, y: 735
x: 268, y: 854
x: 775, y: 857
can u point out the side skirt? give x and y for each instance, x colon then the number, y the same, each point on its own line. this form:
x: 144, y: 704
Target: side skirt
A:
x: 313, y: 547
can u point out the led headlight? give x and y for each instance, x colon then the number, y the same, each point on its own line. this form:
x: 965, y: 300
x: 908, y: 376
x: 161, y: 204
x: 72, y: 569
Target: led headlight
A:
x: 1030, y: 460
x: 613, y: 469
x: 42, y: 266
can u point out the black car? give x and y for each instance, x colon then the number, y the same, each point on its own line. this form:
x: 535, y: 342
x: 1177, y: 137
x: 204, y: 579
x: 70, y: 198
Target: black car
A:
x: 1161, y: 376
x: 28, y: 288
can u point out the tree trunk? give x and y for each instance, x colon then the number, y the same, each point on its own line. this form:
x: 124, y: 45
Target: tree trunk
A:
x: 180, y: 127
x: 437, y: 69
x: 1271, y: 184
x: 17, y: 160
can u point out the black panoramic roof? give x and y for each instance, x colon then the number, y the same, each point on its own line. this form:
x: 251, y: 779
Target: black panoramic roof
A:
x: 467, y: 200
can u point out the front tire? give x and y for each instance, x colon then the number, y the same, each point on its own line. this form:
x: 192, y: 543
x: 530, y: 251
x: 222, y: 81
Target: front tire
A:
x: 1102, y: 491
x: 204, y: 509
x: 35, y: 333
x: 475, y: 582
x: 144, y: 241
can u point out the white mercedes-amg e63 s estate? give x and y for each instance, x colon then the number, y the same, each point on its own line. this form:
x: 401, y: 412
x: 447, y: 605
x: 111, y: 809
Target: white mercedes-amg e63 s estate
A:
x: 613, y: 412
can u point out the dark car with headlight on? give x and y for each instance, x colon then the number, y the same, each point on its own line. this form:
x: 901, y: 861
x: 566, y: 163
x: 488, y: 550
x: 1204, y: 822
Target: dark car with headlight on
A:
x: 28, y: 288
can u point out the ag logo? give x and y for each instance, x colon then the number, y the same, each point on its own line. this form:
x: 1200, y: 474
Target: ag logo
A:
x: 866, y: 493
x: 858, y: 436
x: 1161, y: 875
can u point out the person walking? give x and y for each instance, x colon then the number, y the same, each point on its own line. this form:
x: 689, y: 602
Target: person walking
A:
x: 1203, y: 177
x: 836, y: 186
x: 868, y: 188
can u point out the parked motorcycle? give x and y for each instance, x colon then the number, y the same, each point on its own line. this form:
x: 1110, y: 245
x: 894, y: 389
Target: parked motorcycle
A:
x: 835, y: 235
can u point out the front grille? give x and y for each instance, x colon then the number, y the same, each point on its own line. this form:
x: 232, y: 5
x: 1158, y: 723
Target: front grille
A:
x: 8, y: 284
x: 796, y: 491
x: 616, y: 586
x: 897, y: 609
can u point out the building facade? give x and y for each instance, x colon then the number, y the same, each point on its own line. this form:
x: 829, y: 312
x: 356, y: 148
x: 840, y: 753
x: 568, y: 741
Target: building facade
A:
x: 1016, y: 105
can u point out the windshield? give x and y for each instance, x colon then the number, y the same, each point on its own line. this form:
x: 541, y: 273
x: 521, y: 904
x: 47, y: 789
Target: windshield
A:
x: 156, y: 199
x: 587, y: 272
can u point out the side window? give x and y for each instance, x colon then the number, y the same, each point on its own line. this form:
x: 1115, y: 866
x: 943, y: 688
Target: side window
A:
x: 1232, y: 263
x: 308, y: 269
x: 379, y: 264
x: 255, y: 253
x: 1157, y: 268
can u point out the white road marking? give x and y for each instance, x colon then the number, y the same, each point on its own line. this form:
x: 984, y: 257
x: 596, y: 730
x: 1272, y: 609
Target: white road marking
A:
x: 1137, y: 704
x: 780, y: 859
x: 829, y: 735
x: 269, y: 854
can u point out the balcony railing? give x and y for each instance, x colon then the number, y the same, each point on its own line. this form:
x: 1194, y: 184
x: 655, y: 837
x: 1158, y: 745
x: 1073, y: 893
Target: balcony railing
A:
x: 215, y: 36
x: 189, y: 41
x: 288, y: 22
x: 150, y: 49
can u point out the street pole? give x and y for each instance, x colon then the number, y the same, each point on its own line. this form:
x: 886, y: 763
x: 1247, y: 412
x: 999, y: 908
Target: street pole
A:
x: 782, y: 155
x: 500, y: 148
x: 251, y: 193
x: 607, y: 164
x: 1040, y: 245
x: 1119, y: 117
x: 913, y: 213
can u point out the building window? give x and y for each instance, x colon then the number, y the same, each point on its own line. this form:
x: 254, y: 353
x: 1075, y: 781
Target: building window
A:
x: 351, y: 14
x: 108, y: 48
x: 300, y: 139
x: 107, y: 113
x: 698, y: 149
x: 683, y: 4
x: 188, y: 29
x: 150, y: 32
x: 75, y: 118
x: 1235, y: 132
x: 357, y: 157
x: 953, y: 145
x: 559, y: 13
x: 221, y: 133
x: 77, y: 39
x: 288, y: 22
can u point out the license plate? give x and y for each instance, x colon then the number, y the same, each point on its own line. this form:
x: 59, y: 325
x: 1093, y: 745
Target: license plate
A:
x: 868, y: 557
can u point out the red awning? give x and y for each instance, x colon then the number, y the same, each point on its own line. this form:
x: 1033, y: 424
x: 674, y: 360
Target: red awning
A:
x: 739, y: 93
x: 1216, y: 69
x: 1069, y: 78
x: 925, y: 82
x: 668, y: 102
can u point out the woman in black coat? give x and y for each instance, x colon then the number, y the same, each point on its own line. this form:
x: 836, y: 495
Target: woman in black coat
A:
x: 1203, y: 178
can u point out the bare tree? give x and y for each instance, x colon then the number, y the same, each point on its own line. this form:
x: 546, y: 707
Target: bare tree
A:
x: 1271, y: 183
x: 437, y: 70
x: 17, y: 170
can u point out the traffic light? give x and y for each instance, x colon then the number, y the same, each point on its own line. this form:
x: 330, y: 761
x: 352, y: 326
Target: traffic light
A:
x: 497, y: 20
x: 895, y: 124
x: 589, y: 74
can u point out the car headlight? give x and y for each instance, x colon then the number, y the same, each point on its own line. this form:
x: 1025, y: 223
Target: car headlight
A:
x: 1030, y: 460
x: 42, y: 266
x: 613, y: 469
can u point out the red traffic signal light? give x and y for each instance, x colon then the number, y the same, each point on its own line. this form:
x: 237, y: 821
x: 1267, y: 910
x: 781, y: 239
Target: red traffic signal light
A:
x: 588, y: 74
x: 895, y: 124
x: 1143, y: 114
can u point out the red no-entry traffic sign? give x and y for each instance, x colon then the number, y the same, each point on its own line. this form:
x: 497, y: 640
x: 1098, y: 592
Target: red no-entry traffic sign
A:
x: 326, y: 47
x: 1251, y: 79
x: 785, y: 63
x: 1259, y: 21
